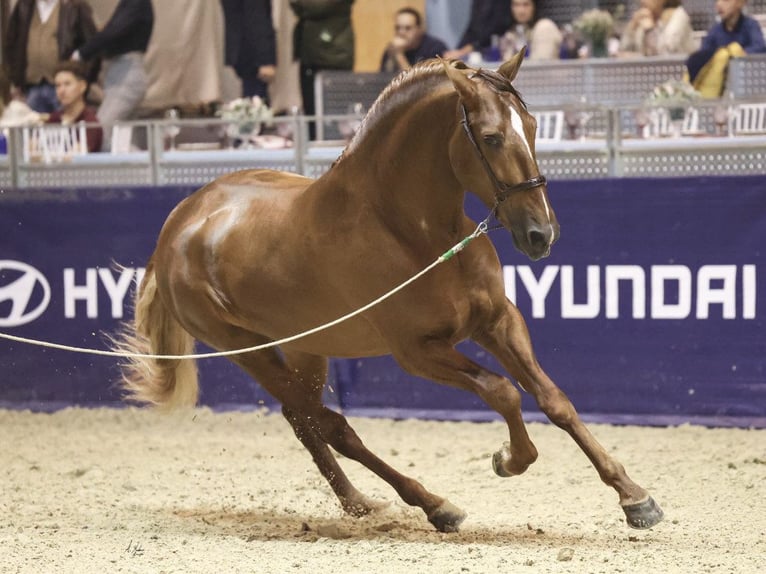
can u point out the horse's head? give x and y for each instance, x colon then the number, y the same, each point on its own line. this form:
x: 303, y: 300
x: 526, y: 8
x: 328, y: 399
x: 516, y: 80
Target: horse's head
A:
x: 492, y: 152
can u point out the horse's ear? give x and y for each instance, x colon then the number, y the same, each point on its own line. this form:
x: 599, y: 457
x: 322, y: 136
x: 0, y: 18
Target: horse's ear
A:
x: 466, y: 89
x: 510, y: 68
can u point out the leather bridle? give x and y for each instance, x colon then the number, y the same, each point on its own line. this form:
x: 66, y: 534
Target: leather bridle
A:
x: 502, y: 190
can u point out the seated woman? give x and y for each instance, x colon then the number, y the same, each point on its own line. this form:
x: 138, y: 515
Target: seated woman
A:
x: 658, y: 28
x: 541, y: 37
x: 71, y: 87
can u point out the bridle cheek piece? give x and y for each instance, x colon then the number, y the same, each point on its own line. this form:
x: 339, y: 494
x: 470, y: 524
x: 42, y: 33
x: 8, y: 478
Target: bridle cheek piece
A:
x: 502, y: 190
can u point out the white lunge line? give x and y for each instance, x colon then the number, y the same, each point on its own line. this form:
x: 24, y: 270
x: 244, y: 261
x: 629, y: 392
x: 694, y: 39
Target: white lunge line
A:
x: 446, y: 256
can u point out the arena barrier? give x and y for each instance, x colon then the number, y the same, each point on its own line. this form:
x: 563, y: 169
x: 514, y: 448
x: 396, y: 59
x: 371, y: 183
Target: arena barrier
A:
x: 650, y: 309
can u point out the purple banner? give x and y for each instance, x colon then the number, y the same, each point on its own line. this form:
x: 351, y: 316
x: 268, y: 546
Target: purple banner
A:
x: 59, y: 282
x: 650, y: 308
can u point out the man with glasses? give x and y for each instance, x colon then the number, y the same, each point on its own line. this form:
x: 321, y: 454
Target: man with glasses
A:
x: 410, y: 43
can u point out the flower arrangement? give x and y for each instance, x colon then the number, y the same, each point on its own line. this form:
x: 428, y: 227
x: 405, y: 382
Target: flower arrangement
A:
x: 595, y: 26
x: 246, y: 113
x: 676, y: 95
x: 673, y: 92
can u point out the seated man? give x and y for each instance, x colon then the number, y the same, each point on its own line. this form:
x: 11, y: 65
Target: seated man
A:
x: 735, y: 35
x: 71, y: 87
x: 410, y: 43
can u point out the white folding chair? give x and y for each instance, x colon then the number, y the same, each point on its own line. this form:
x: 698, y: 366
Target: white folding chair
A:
x: 550, y: 126
x: 660, y: 125
x: 53, y: 143
x: 122, y: 137
x: 691, y: 121
x: 748, y: 119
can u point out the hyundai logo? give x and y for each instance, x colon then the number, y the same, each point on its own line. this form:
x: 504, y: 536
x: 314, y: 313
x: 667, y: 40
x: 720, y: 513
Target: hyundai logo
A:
x: 25, y: 289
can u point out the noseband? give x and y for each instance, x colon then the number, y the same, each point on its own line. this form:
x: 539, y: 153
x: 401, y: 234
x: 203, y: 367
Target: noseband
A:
x: 502, y: 190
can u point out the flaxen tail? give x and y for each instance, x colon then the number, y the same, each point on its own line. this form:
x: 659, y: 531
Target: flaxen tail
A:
x: 165, y: 383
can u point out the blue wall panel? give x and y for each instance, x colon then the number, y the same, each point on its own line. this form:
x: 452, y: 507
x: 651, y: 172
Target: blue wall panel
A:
x: 683, y: 341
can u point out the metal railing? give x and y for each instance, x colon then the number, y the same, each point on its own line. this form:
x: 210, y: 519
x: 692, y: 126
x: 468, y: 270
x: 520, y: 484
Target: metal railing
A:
x: 597, y: 142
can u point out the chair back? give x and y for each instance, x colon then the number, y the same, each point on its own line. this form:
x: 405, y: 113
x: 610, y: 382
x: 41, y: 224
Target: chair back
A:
x: 122, y: 136
x: 550, y: 125
x: 660, y: 124
x: 53, y: 143
x: 748, y: 119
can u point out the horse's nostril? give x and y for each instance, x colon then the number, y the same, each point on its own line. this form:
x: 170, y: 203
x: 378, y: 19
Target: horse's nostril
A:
x: 537, y: 238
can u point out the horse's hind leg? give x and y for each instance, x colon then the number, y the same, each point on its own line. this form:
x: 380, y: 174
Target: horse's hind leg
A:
x: 334, y: 429
x: 508, y: 340
x: 311, y: 373
x: 352, y: 501
x: 269, y: 370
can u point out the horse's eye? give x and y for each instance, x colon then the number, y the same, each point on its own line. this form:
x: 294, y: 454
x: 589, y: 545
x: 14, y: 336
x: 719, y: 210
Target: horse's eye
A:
x: 493, y: 140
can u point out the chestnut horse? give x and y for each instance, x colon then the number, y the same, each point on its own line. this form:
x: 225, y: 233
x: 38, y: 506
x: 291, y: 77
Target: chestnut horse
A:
x: 258, y: 255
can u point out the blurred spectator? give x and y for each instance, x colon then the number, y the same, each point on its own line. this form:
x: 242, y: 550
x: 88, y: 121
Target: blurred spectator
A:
x: 734, y: 27
x: 251, y: 44
x: 122, y: 43
x: 488, y: 18
x: 540, y: 37
x: 447, y: 19
x: 184, y: 61
x: 323, y: 39
x: 410, y: 43
x: 658, y: 28
x: 13, y: 111
x: 40, y: 34
x: 71, y: 89
x: 735, y: 35
x: 571, y: 43
x: 5, y: 90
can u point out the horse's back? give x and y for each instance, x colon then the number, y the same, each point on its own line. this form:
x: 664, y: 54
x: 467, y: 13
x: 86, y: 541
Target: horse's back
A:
x: 251, y: 187
x: 234, y: 217
x: 251, y: 195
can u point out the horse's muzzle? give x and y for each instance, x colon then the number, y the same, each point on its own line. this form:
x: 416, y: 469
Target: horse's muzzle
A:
x: 537, y: 241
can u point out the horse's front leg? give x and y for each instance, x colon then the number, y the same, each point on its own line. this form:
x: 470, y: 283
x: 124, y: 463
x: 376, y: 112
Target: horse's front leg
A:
x: 438, y: 361
x: 508, y: 340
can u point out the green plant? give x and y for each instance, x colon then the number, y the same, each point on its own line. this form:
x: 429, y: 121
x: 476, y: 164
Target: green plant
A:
x: 595, y: 25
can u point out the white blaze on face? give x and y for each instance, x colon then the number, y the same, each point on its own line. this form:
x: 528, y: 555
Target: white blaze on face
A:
x: 547, y: 209
x: 518, y: 126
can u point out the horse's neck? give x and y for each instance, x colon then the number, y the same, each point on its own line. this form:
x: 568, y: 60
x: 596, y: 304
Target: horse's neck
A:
x: 408, y: 153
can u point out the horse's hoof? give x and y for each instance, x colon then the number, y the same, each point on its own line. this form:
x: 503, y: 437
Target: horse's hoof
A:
x: 447, y: 518
x: 502, y: 462
x: 499, y: 459
x: 644, y: 514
